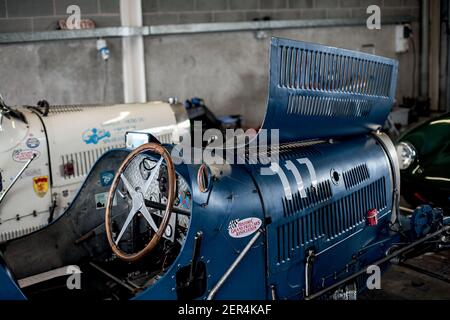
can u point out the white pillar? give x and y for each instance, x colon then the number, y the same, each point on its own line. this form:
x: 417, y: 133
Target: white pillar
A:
x: 133, y: 61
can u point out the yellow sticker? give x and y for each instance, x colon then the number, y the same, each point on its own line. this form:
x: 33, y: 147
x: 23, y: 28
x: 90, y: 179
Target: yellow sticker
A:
x: 40, y: 185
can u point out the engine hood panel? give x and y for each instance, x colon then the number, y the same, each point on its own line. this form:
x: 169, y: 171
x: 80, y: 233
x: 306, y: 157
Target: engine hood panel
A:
x: 316, y: 91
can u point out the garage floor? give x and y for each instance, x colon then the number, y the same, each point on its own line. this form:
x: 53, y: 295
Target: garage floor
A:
x: 409, y: 282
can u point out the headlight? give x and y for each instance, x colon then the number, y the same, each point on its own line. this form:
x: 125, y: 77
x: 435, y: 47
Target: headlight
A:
x: 406, y: 154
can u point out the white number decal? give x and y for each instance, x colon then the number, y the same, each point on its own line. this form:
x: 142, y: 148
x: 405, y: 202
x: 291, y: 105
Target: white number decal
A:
x: 298, y: 178
x: 291, y: 167
x: 284, y: 180
x: 311, y: 170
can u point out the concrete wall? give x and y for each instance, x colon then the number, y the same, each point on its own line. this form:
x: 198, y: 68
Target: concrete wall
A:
x: 63, y: 72
x: 42, y: 15
x: 229, y: 70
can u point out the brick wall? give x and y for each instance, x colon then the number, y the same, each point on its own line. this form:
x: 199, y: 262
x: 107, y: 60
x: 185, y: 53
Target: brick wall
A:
x: 39, y: 15
x: 42, y: 15
x: 186, y: 11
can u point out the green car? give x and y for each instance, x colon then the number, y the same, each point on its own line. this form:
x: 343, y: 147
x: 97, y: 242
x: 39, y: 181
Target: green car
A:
x: 424, y: 157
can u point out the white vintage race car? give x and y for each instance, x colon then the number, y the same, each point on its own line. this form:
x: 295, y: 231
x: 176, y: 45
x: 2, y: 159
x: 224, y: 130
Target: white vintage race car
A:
x: 46, y: 153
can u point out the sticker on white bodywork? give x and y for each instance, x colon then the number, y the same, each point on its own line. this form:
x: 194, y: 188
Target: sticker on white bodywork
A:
x: 242, y: 228
x: 32, y: 143
x: 20, y: 155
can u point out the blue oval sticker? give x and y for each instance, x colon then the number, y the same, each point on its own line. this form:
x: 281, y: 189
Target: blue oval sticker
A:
x: 33, y: 143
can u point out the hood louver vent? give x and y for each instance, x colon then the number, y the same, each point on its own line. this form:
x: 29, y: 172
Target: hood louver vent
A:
x: 82, y: 161
x: 328, y: 107
x: 330, y: 221
x: 356, y: 176
x: 314, y: 197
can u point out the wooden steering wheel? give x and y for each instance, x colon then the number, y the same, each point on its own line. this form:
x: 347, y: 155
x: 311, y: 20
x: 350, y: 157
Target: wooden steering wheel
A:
x: 138, y: 201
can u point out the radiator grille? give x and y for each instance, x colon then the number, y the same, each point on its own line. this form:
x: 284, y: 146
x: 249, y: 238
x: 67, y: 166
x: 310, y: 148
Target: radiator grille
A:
x: 356, y: 176
x: 310, y: 69
x: 330, y: 221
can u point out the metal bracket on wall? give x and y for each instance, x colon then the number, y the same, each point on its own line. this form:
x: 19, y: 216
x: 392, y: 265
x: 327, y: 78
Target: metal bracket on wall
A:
x: 194, y: 28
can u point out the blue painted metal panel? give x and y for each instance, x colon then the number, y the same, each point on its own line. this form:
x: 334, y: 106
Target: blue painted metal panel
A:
x: 331, y: 218
x: 9, y: 289
x: 232, y: 197
x: 317, y: 91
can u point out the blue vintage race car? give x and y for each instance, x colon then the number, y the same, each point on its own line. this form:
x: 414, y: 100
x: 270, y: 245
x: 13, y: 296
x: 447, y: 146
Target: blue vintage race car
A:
x: 305, y: 224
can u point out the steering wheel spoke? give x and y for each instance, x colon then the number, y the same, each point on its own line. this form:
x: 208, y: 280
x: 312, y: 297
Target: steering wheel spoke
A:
x: 129, y: 218
x: 155, y: 170
x: 127, y: 185
x: 146, y: 214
